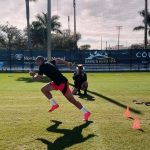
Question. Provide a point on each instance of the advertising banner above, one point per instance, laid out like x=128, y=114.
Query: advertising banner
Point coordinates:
x=26, y=58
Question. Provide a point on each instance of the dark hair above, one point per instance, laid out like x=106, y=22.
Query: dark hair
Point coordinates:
x=40, y=58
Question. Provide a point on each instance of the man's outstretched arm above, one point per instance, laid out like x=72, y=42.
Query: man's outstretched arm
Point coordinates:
x=36, y=76
x=61, y=61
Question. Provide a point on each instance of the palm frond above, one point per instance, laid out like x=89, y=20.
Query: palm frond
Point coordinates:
x=42, y=19
x=142, y=13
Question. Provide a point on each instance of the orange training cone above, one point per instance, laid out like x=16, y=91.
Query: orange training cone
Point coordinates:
x=127, y=113
x=136, y=124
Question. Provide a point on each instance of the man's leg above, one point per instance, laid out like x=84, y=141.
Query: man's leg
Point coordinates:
x=84, y=86
x=46, y=91
x=74, y=91
x=72, y=100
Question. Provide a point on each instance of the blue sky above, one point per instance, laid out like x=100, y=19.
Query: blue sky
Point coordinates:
x=95, y=18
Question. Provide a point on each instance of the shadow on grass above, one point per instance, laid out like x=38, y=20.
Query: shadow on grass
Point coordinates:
x=116, y=102
x=30, y=80
x=141, y=102
x=131, y=118
x=113, y=101
x=141, y=130
x=86, y=97
x=69, y=138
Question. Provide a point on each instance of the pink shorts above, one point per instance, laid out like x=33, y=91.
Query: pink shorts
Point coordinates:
x=63, y=87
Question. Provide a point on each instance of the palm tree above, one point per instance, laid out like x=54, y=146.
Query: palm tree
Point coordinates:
x=38, y=35
x=39, y=29
x=142, y=27
x=55, y=25
x=28, y=21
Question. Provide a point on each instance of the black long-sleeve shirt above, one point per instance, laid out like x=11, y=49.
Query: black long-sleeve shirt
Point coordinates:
x=51, y=71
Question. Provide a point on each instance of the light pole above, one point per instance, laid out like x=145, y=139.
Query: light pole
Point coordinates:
x=69, y=25
x=106, y=45
x=49, y=29
x=101, y=43
x=145, y=21
x=28, y=24
x=119, y=28
x=74, y=6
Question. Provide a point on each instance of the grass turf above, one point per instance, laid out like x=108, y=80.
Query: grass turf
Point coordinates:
x=26, y=124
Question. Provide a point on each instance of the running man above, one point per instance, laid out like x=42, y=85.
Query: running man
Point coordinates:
x=59, y=82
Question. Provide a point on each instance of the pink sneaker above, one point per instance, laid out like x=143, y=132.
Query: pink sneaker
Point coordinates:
x=86, y=116
x=53, y=107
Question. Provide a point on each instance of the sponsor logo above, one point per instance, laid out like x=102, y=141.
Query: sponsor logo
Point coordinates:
x=29, y=58
x=99, y=58
x=143, y=54
x=97, y=55
x=19, y=56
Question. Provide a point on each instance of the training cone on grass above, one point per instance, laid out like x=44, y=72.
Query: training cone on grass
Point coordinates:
x=136, y=124
x=127, y=113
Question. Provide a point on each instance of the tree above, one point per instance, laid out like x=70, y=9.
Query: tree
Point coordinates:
x=38, y=35
x=60, y=39
x=142, y=27
x=2, y=41
x=55, y=24
x=137, y=46
x=85, y=47
x=11, y=37
x=28, y=21
x=64, y=40
x=39, y=29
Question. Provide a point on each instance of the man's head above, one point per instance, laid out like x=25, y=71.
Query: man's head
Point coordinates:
x=79, y=67
x=39, y=60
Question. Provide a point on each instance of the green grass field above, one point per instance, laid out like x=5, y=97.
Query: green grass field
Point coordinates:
x=25, y=123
